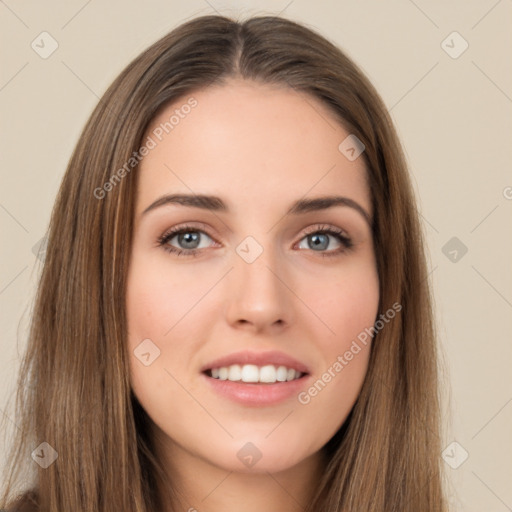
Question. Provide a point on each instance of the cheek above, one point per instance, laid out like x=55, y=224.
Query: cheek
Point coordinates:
x=347, y=303
x=348, y=307
x=159, y=298
x=156, y=315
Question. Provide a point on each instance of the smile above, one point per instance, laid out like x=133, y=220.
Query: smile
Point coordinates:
x=251, y=373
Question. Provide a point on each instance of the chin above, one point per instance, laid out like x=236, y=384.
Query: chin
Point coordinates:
x=259, y=455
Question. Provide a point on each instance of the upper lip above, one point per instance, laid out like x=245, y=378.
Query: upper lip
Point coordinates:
x=273, y=357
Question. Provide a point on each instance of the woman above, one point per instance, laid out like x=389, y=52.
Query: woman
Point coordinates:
x=256, y=369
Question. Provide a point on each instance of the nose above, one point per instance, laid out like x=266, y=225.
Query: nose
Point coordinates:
x=259, y=294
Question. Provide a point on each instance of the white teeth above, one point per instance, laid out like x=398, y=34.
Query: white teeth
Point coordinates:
x=235, y=372
x=252, y=373
x=249, y=373
x=268, y=373
x=282, y=372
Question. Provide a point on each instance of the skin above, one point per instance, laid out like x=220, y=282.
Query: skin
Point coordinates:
x=259, y=148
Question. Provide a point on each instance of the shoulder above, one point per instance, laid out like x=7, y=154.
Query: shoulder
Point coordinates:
x=27, y=502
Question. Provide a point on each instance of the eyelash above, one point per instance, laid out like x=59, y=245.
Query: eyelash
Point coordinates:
x=163, y=240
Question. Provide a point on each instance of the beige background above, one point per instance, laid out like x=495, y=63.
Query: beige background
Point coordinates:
x=452, y=114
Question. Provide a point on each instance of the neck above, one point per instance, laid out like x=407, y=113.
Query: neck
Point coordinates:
x=200, y=486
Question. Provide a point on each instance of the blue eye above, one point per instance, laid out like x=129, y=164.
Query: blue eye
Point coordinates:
x=188, y=239
x=318, y=241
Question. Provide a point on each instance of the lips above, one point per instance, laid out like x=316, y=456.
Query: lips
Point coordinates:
x=273, y=357
x=267, y=391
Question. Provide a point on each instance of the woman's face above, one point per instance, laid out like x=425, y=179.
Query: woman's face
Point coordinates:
x=248, y=280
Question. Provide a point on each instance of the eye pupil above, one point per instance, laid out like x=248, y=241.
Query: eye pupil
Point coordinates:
x=188, y=237
x=323, y=244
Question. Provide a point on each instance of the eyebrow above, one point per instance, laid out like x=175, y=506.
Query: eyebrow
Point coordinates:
x=216, y=204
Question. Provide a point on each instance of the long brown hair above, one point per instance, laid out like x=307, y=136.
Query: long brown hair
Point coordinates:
x=74, y=386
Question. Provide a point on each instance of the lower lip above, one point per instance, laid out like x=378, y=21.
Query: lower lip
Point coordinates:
x=257, y=394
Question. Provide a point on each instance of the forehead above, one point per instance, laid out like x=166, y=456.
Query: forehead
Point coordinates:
x=252, y=144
